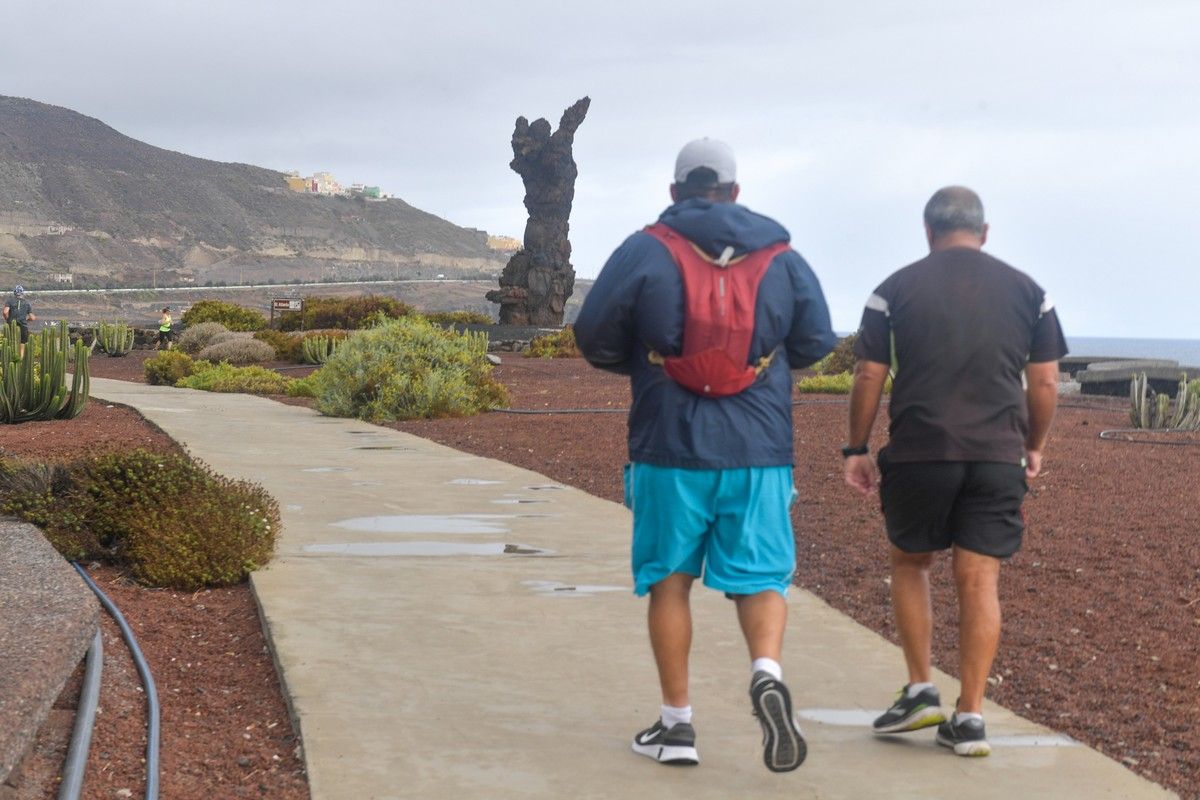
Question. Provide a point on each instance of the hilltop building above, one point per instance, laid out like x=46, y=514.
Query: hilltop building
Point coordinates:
x=324, y=183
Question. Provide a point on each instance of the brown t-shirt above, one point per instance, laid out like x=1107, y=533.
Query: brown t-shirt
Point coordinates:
x=963, y=326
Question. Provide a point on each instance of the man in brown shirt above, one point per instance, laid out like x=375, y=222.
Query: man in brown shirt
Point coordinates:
x=962, y=329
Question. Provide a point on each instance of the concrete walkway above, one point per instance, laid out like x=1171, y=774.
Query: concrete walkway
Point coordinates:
x=449, y=626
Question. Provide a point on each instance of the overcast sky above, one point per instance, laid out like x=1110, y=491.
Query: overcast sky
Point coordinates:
x=1077, y=122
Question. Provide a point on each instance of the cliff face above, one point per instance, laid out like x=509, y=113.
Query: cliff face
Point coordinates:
x=77, y=196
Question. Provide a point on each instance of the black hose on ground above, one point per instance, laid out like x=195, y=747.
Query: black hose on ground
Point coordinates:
x=147, y=681
x=85, y=720
x=1121, y=435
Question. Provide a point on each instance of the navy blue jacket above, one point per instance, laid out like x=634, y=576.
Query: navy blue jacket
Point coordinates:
x=636, y=305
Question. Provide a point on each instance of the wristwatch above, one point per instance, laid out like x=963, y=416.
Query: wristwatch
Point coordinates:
x=861, y=450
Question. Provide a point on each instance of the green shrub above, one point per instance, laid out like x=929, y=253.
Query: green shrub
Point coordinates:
x=833, y=384
x=343, y=313
x=238, y=351
x=231, y=315
x=826, y=384
x=840, y=359
x=167, y=368
x=405, y=369
x=169, y=520
x=555, y=345
x=199, y=336
x=303, y=387
x=287, y=348
x=458, y=318
x=224, y=377
x=37, y=493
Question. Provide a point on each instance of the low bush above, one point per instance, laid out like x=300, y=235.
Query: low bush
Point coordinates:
x=458, y=318
x=303, y=387
x=167, y=367
x=555, y=345
x=169, y=520
x=224, y=377
x=199, y=336
x=231, y=315
x=840, y=359
x=826, y=384
x=343, y=313
x=238, y=351
x=833, y=384
x=405, y=369
x=287, y=348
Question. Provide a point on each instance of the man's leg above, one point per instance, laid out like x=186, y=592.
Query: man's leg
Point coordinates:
x=763, y=617
x=671, y=740
x=914, y=615
x=977, y=578
x=670, y=622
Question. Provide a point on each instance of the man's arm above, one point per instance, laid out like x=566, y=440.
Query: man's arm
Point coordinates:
x=869, y=378
x=6, y=307
x=1041, y=398
x=604, y=329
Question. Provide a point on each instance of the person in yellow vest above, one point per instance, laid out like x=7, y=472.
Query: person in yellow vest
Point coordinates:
x=164, y=329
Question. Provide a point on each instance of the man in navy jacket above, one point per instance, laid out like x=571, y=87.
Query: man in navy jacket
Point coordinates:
x=710, y=477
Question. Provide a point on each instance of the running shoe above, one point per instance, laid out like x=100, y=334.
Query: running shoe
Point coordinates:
x=675, y=745
x=968, y=737
x=783, y=746
x=911, y=713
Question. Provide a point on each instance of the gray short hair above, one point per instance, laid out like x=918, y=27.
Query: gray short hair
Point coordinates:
x=954, y=208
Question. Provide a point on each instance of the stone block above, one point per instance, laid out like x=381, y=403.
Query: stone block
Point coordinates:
x=48, y=617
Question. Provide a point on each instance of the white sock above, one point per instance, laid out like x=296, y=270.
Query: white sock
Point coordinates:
x=769, y=666
x=673, y=715
x=915, y=689
x=963, y=716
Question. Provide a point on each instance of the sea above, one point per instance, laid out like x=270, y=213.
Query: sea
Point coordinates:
x=1184, y=351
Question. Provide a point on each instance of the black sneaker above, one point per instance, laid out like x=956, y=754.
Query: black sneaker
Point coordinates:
x=911, y=713
x=968, y=737
x=783, y=746
x=674, y=745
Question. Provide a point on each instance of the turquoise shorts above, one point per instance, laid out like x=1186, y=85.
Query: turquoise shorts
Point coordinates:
x=730, y=525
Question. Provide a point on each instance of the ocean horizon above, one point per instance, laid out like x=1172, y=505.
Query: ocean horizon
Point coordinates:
x=1185, y=351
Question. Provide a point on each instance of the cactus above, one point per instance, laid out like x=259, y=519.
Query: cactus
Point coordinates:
x=317, y=349
x=35, y=387
x=1150, y=410
x=113, y=338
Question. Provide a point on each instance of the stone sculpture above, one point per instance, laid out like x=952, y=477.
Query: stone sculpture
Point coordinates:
x=538, y=279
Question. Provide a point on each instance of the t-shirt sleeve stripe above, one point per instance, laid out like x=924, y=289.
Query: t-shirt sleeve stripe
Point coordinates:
x=1047, y=306
x=877, y=303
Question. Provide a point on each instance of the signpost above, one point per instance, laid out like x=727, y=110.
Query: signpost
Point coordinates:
x=282, y=304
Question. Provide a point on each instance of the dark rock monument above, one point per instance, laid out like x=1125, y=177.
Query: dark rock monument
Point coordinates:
x=538, y=279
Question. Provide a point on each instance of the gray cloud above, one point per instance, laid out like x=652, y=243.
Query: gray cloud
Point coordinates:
x=1074, y=120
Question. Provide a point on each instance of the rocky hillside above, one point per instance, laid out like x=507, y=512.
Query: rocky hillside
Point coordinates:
x=77, y=196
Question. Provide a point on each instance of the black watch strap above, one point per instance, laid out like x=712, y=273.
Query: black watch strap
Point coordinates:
x=861, y=450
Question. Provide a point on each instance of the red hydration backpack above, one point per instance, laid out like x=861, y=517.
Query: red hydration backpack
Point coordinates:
x=718, y=318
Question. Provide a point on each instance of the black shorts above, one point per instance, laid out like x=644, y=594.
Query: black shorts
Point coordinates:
x=24, y=332
x=164, y=336
x=931, y=505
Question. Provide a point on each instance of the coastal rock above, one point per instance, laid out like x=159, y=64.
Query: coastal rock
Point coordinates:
x=539, y=278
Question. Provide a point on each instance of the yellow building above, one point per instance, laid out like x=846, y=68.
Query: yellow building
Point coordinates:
x=298, y=184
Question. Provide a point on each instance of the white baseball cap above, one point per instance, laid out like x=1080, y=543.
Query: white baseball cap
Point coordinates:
x=709, y=153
